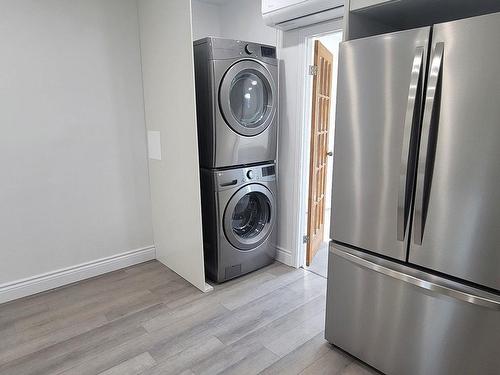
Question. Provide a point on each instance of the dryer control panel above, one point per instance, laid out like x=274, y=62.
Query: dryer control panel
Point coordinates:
x=221, y=49
x=259, y=50
x=231, y=178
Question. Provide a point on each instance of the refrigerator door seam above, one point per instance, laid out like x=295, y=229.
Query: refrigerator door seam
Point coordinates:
x=424, y=170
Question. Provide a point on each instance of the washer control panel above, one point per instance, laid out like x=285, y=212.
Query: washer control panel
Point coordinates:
x=230, y=178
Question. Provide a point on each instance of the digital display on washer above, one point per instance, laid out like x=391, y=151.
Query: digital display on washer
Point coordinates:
x=268, y=52
x=268, y=171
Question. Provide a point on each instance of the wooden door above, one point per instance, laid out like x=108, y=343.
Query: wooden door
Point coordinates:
x=320, y=125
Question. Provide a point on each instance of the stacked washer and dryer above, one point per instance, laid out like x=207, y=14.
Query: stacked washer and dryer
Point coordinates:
x=237, y=107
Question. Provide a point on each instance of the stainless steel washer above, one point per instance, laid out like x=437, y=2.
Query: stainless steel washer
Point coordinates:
x=239, y=215
x=237, y=102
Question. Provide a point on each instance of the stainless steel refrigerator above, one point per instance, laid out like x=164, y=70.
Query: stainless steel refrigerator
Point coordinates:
x=414, y=262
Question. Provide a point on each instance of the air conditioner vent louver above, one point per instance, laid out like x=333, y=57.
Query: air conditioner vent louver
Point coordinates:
x=292, y=14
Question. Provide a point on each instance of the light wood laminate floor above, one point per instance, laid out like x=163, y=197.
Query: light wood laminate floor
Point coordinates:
x=147, y=320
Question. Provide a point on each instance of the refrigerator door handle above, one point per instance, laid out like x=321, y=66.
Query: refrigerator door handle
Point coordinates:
x=428, y=142
x=431, y=286
x=412, y=120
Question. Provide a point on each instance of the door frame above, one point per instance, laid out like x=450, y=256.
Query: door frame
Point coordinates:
x=306, y=36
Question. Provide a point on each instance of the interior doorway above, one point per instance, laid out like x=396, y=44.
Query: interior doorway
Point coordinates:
x=318, y=153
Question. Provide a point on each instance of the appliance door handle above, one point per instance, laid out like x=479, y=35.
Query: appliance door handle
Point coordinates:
x=427, y=143
x=433, y=287
x=229, y=183
x=406, y=171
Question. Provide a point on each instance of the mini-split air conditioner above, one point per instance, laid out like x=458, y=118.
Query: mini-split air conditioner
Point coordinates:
x=292, y=14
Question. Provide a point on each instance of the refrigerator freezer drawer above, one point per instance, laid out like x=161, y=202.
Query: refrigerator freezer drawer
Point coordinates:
x=403, y=321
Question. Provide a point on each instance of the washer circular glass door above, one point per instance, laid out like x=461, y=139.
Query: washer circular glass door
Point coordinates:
x=249, y=217
x=247, y=97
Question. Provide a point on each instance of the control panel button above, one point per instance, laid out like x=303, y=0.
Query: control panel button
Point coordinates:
x=249, y=49
x=250, y=174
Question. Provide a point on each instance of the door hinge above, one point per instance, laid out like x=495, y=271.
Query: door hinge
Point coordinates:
x=305, y=239
x=313, y=70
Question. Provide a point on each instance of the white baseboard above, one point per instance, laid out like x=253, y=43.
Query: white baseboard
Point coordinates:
x=208, y=288
x=54, y=279
x=284, y=256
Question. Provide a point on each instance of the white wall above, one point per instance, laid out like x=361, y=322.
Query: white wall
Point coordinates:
x=291, y=60
x=206, y=19
x=232, y=19
x=74, y=178
x=242, y=19
x=168, y=74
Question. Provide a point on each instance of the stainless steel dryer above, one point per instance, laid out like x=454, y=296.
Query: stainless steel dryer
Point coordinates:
x=237, y=102
x=239, y=215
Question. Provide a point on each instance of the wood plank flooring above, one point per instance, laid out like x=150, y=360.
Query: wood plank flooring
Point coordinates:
x=147, y=320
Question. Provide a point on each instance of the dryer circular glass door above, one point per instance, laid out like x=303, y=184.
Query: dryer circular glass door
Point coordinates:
x=247, y=97
x=249, y=217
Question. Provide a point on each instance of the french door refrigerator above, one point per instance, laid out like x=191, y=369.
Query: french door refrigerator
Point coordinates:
x=414, y=263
